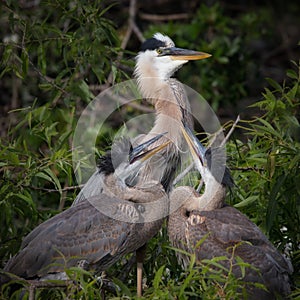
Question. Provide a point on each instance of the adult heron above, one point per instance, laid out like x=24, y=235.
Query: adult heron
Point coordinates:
x=225, y=231
x=97, y=232
x=155, y=64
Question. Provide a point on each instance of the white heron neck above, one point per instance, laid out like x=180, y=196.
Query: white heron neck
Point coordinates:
x=164, y=123
x=159, y=92
x=213, y=196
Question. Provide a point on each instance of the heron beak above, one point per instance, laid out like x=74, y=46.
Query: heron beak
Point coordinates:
x=184, y=54
x=196, y=148
x=153, y=151
x=136, y=154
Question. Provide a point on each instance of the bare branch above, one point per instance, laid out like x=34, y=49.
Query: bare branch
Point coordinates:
x=68, y=188
x=230, y=131
x=200, y=185
x=183, y=174
x=159, y=18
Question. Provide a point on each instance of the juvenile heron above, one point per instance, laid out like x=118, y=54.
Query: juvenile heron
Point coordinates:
x=226, y=228
x=155, y=64
x=96, y=232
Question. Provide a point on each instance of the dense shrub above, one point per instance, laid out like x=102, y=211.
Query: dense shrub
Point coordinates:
x=51, y=61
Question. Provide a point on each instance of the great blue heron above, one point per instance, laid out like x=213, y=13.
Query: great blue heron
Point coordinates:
x=226, y=229
x=155, y=64
x=97, y=232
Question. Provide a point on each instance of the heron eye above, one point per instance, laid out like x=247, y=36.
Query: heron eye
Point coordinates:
x=159, y=51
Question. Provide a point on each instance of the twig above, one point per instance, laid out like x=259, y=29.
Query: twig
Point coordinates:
x=200, y=185
x=123, y=100
x=132, y=23
x=171, y=17
x=68, y=188
x=45, y=284
x=63, y=196
x=224, y=141
x=214, y=137
x=183, y=174
x=230, y=131
x=35, y=284
x=138, y=33
x=131, y=27
x=247, y=169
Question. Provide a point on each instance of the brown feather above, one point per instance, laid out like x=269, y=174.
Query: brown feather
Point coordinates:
x=82, y=232
x=226, y=228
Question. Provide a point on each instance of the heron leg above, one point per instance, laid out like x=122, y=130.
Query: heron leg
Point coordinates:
x=31, y=292
x=140, y=255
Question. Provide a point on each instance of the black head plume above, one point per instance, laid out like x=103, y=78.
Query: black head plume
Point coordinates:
x=152, y=44
x=119, y=153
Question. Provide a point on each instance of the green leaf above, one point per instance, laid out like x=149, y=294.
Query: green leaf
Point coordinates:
x=269, y=95
x=114, y=73
x=83, y=91
x=292, y=74
x=158, y=277
x=274, y=84
x=215, y=263
x=13, y=158
x=272, y=205
x=48, y=175
x=43, y=176
x=45, y=86
x=292, y=93
x=200, y=242
x=249, y=200
x=124, y=289
x=26, y=197
x=42, y=58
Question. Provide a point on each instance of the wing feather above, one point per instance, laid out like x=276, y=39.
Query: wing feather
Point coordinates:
x=80, y=232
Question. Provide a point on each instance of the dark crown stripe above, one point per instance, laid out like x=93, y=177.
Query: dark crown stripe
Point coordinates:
x=152, y=44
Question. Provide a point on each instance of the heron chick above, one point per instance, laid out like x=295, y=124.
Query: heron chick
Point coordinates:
x=225, y=231
x=96, y=232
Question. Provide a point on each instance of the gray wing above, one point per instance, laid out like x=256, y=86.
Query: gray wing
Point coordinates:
x=93, y=187
x=228, y=227
x=80, y=233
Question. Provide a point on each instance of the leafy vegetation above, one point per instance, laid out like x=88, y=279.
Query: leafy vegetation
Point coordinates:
x=213, y=32
x=266, y=167
x=54, y=60
x=54, y=55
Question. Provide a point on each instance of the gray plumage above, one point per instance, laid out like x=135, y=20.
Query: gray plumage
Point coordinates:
x=225, y=227
x=155, y=64
x=82, y=233
x=94, y=233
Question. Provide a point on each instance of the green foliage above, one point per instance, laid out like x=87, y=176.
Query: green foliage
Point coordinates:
x=62, y=49
x=266, y=167
x=54, y=53
x=35, y=166
x=221, y=78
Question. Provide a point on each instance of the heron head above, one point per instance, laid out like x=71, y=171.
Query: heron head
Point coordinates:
x=160, y=58
x=136, y=158
x=211, y=171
